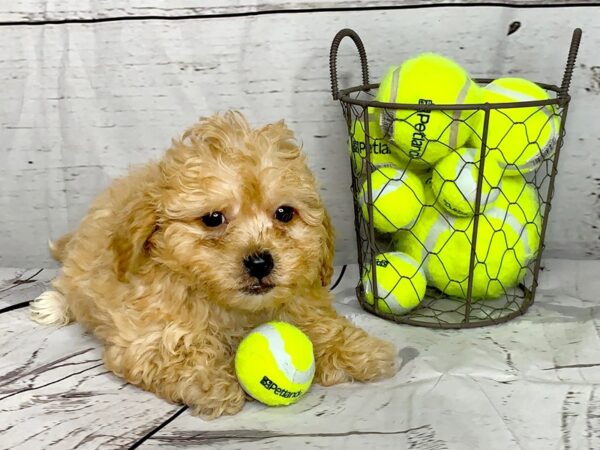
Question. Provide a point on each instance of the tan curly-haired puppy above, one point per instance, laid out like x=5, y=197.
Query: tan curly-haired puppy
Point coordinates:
x=175, y=263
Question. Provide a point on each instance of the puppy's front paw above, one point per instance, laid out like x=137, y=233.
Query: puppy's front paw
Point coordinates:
x=329, y=371
x=210, y=401
x=377, y=360
x=359, y=358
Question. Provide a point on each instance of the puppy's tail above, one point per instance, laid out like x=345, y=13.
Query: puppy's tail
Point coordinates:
x=58, y=248
x=51, y=308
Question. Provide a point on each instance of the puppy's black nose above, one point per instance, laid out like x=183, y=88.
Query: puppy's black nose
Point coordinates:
x=259, y=265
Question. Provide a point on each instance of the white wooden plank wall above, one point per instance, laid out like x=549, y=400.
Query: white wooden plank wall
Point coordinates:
x=80, y=102
x=36, y=10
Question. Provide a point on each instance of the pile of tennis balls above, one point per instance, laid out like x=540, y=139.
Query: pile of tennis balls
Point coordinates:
x=423, y=182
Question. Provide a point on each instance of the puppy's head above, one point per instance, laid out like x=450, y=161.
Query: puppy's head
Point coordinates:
x=235, y=212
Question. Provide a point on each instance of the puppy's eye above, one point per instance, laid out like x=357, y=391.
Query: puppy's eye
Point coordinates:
x=214, y=219
x=284, y=213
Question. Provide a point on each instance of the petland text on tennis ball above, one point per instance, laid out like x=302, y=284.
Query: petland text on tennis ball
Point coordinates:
x=275, y=363
x=381, y=153
x=427, y=136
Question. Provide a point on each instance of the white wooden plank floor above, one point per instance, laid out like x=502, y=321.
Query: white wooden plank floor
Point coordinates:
x=21, y=285
x=533, y=383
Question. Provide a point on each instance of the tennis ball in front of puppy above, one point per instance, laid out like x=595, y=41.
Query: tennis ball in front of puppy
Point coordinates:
x=401, y=283
x=397, y=197
x=426, y=136
x=275, y=363
x=454, y=181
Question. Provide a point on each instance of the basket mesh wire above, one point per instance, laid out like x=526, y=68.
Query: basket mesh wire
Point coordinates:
x=431, y=254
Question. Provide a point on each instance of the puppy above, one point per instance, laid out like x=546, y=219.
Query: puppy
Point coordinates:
x=176, y=262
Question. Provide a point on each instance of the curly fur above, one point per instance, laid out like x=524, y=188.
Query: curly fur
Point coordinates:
x=166, y=294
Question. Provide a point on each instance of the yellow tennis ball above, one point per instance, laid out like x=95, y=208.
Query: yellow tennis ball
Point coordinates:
x=443, y=242
x=520, y=138
x=413, y=241
x=275, y=363
x=427, y=136
x=496, y=268
x=401, y=283
x=518, y=204
x=397, y=197
x=383, y=153
x=454, y=181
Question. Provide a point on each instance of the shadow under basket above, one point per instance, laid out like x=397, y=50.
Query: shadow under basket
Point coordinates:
x=451, y=241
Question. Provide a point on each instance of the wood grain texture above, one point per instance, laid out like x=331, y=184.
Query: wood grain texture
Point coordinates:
x=55, y=392
x=23, y=285
x=82, y=102
x=531, y=383
x=44, y=10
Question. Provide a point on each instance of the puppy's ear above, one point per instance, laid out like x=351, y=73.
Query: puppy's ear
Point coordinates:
x=131, y=241
x=327, y=250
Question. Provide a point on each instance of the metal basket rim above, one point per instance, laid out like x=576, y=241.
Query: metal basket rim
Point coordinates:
x=345, y=98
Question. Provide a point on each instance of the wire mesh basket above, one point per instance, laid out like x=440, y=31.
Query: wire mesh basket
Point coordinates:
x=451, y=201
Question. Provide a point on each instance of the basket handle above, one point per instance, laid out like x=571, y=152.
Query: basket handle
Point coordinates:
x=566, y=81
x=346, y=32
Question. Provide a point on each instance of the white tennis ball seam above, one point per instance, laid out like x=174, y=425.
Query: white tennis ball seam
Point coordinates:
x=409, y=260
x=395, y=81
x=463, y=177
x=386, y=121
x=518, y=228
x=462, y=95
x=506, y=92
x=282, y=358
x=441, y=224
x=549, y=145
x=466, y=182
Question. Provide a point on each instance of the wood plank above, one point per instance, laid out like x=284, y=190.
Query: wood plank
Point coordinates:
x=449, y=412
x=23, y=285
x=455, y=389
x=43, y=10
x=55, y=392
x=89, y=103
x=8, y=275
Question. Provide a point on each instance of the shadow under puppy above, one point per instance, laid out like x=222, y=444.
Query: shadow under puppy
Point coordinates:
x=176, y=262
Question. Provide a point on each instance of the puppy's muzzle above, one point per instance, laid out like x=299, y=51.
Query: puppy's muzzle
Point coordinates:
x=259, y=265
